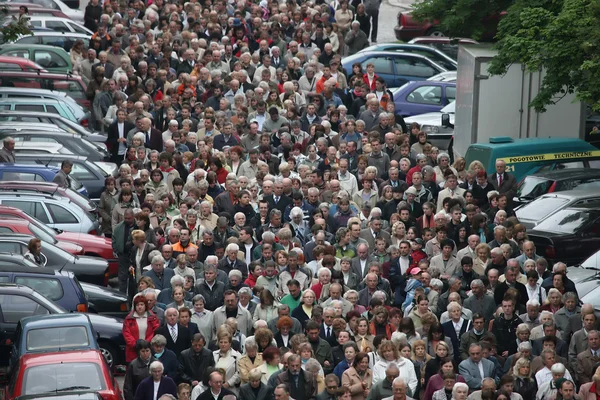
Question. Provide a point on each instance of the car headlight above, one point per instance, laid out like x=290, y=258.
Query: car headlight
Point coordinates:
x=430, y=129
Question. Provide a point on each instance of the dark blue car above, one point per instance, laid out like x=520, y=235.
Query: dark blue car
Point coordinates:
x=422, y=97
x=32, y=173
x=395, y=68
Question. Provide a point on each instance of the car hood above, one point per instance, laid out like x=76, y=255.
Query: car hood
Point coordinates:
x=580, y=275
x=91, y=261
x=432, y=118
x=101, y=291
x=85, y=239
x=70, y=247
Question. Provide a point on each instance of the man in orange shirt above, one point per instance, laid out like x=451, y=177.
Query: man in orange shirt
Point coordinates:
x=184, y=242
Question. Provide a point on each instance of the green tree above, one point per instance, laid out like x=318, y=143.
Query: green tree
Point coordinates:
x=558, y=36
x=11, y=28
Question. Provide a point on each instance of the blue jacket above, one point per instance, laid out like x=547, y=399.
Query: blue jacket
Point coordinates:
x=340, y=368
x=170, y=363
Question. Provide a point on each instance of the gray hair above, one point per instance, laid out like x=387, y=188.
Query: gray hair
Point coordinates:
x=177, y=280
x=251, y=343
x=312, y=365
x=158, y=259
x=197, y=298
x=156, y=365
x=235, y=272
x=558, y=368
x=245, y=290
x=459, y=385
x=159, y=340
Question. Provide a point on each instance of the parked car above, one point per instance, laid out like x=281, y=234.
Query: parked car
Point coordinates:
x=74, y=14
x=438, y=134
x=59, y=39
x=430, y=52
x=72, y=141
x=60, y=371
x=35, y=173
x=91, y=174
x=73, y=85
x=445, y=44
x=59, y=107
x=94, y=246
x=52, y=189
x=105, y=301
x=569, y=234
x=588, y=270
x=537, y=211
x=53, y=59
x=14, y=225
x=56, y=149
x=13, y=9
x=420, y=97
x=86, y=269
x=19, y=64
x=449, y=76
x=59, y=24
x=26, y=302
x=53, y=211
x=52, y=333
x=76, y=109
x=396, y=68
x=67, y=395
x=12, y=120
x=533, y=186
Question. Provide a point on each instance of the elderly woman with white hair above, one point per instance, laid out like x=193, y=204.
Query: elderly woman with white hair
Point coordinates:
x=554, y=301
x=455, y=328
x=546, y=377
x=443, y=165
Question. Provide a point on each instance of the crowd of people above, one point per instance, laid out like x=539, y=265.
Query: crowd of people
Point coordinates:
x=282, y=233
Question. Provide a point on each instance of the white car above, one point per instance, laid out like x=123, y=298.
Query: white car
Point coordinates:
x=58, y=24
x=75, y=15
x=448, y=76
x=431, y=123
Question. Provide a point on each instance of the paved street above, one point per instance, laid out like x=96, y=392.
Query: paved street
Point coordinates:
x=388, y=18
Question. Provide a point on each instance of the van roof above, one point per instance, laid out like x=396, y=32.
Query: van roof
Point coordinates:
x=535, y=145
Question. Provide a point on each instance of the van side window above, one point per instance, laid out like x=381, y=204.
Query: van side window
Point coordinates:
x=49, y=288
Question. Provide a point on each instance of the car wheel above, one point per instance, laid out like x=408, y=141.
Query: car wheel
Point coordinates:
x=435, y=31
x=110, y=353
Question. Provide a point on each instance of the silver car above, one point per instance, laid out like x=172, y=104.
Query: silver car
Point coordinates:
x=56, y=212
x=544, y=206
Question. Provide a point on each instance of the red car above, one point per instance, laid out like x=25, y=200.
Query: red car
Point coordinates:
x=70, y=84
x=67, y=371
x=14, y=225
x=409, y=28
x=20, y=64
x=93, y=245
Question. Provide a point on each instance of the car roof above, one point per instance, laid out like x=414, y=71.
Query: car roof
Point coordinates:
x=23, y=112
x=568, y=173
x=47, y=92
x=42, y=133
x=54, y=320
x=32, y=47
x=32, y=196
x=7, y=125
x=30, y=100
x=28, y=270
x=35, y=359
x=390, y=53
x=27, y=167
x=26, y=184
x=537, y=145
x=441, y=39
x=573, y=194
x=47, y=75
x=13, y=221
x=16, y=235
x=52, y=157
x=51, y=32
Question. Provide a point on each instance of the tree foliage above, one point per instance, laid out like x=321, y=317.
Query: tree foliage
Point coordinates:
x=559, y=36
x=10, y=28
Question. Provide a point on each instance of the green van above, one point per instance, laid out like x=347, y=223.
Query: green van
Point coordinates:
x=527, y=156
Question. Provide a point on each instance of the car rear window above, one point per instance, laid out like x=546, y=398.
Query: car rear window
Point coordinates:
x=58, y=338
x=58, y=376
x=565, y=221
x=533, y=187
x=540, y=208
x=50, y=288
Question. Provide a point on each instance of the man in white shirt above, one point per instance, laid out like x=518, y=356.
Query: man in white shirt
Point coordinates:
x=347, y=180
x=551, y=370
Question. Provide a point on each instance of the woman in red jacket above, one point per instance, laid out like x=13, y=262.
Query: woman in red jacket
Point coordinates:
x=139, y=324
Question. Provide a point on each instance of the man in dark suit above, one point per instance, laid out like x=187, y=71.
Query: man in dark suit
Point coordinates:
x=278, y=200
x=503, y=182
x=194, y=361
x=225, y=202
x=177, y=335
x=230, y=261
x=561, y=348
x=302, y=385
x=374, y=230
x=326, y=328
x=360, y=263
x=109, y=69
x=117, y=137
x=510, y=275
x=215, y=388
x=153, y=136
x=166, y=385
x=159, y=275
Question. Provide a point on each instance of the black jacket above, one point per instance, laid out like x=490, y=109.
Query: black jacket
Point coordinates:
x=137, y=371
x=527, y=388
x=183, y=338
x=214, y=297
x=192, y=365
x=507, y=331
x=113, y=136
x=207, y=395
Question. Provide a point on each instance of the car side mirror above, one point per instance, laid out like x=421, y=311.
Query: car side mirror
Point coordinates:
x=446, y=121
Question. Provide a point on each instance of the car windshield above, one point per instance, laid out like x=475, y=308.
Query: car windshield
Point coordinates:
x=592, y=261
x=540, y=208
x=565, y=221
x=42, y=234
x=60, y=376
x=58, y=338
x=533, y=187
x=450, y=108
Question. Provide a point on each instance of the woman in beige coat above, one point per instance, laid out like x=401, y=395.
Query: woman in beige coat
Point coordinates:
x=358, y=378
x=252, y=359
